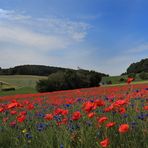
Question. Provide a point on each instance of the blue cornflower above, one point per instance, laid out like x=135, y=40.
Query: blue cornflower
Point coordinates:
x=61, y=146
x=28, y=135
x=125, y=115
x=41, y=126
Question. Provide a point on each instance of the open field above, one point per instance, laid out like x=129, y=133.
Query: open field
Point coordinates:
x=113, y=117
x=21, y=80
x=22, y=83
x=116, y=79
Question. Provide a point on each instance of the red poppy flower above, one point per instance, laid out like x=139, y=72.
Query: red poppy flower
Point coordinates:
x=48, y=117
x=21, y=118
x=105, y=142
x=99, y=102
x=102, y=119
x=64, y=112
x=1, y=109
x=12, y=105
x=91, y=115
x=5, y=119
x=13, y=112
x=145, y=107
x=58, y=111
x=13, y=123
x=88, y=106
x=30, y=107
x=23, y=113
x=110, y=124
x=122, y=110
x=129, y=80
x=123, y=128
x=76, y=115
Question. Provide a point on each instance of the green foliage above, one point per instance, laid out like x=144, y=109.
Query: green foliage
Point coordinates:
x=138, y=67
x=38, y=70
x=132, y=75
x=143, y=75
x=122, y=80
x=69, y=79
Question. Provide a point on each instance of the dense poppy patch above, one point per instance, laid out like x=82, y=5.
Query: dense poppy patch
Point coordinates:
x=88, y=118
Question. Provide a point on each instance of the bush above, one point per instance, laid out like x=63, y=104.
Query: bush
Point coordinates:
x=143, y=75
x=109, y=82
x=132, y=75
x=122, y=80
x=69, y=79
x=8, y=89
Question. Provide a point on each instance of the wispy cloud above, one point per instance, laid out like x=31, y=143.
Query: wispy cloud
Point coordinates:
x=12, y=15
x=25, y=39
x=139, y=48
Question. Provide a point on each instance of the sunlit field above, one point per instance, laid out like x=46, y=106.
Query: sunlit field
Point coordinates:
x=113, y=117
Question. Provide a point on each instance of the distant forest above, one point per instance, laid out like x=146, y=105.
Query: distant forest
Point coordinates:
x=138, y=67
x=39, y=70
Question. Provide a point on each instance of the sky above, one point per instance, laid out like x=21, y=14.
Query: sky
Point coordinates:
x=101, y=35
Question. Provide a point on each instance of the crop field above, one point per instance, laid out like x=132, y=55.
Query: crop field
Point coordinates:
x=113, y=117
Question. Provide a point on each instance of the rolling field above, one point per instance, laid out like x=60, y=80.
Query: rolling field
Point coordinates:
x=116, y=79
x=22, y=83
x=113, y=117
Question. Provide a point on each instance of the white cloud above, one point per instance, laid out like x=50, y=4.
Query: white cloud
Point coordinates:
x=28, y=40
x=12, y=15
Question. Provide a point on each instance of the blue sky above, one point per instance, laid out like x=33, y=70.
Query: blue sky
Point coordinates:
x=102, y=35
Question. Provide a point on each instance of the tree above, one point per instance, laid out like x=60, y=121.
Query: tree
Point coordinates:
x=69, y=79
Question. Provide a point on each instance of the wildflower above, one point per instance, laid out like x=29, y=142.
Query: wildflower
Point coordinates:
x=65, y=112
x=21, y=118
x=91, y=115
x=28, y=136
x=110, y=124
x=122, y=110
x=1, y=109
x=30, y=107
x=105, y=142
x=129, y=80
x=13, y=112
x=24, y=131
x=12, y=105
x=123, y=128
x=88, y=106
x=76, y=115
x=145, y=107
x=12, y=124
x=61, y=146
x=102, y=119
x=99, y=102
x=48, y=116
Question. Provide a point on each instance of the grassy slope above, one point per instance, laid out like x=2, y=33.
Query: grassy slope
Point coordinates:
x=115, y=79
x=22, y=83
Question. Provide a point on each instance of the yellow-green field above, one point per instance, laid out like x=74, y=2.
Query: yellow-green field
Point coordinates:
x=22, y=83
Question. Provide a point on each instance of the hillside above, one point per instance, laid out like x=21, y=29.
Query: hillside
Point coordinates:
x=37, y=70
x=138, y=67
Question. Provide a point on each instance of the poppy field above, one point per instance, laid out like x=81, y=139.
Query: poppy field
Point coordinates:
x=113, y=117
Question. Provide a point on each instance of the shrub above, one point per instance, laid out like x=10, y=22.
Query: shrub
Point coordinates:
x=69, y=79
x=132, y=75
x=122, y=80
x=143, y=75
